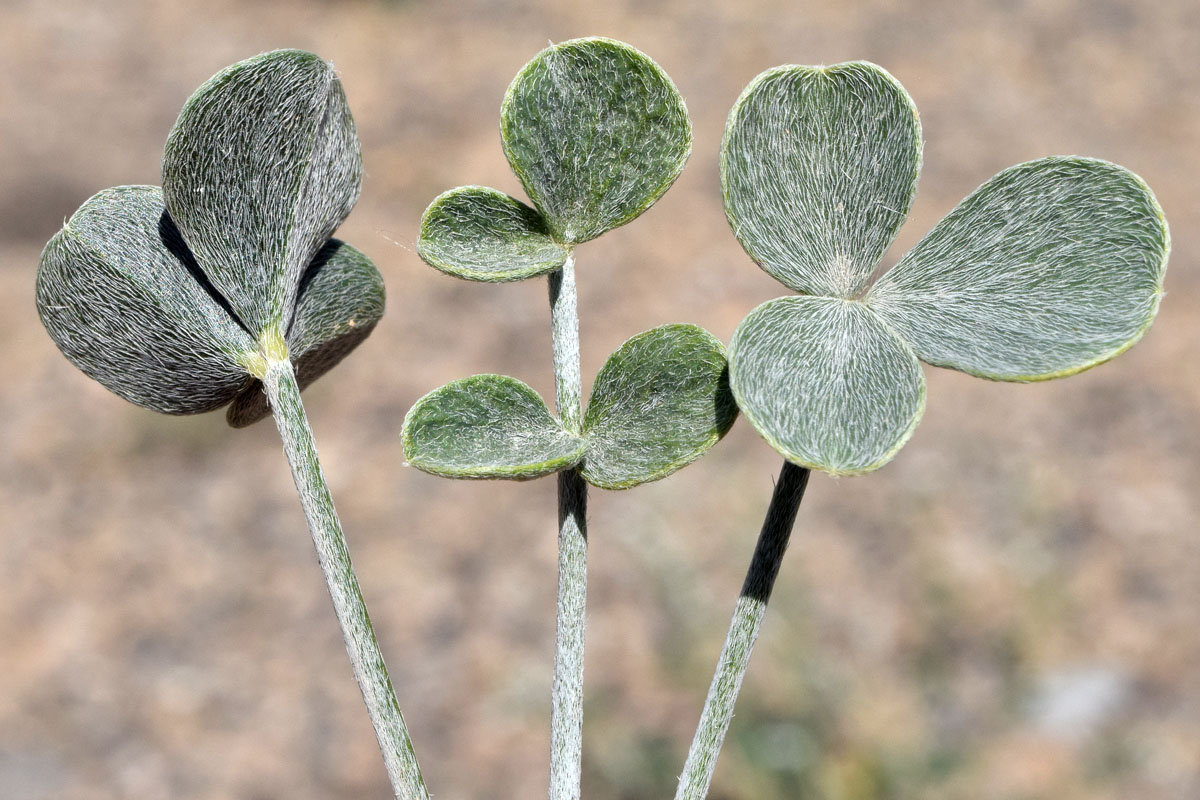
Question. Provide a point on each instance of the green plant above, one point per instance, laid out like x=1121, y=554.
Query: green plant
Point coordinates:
x=225, y=288
x=596, y=132
x=1049, y=268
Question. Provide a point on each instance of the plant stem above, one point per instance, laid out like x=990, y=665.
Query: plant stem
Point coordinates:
x=564, y=327
x=566, y=714
x=743, y=630
x=369, y=668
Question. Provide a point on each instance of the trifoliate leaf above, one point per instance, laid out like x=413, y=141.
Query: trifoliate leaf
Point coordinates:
x=341, y=298
x=124, y=301
x=487, y=426
x=596, y=132
x=826, y=383
x=818, y=168
x=260, y=169
x=659, y=403
x=1049, y=268
x=480, y=234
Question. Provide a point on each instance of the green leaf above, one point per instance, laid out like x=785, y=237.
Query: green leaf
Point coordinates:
x=826, y=383
x=341, y=299
x=1049, y=268
x=487, y=426
x=659, y=403
x=341, y=296
x=480, y=234
x=122, y=298
x=818, y=168
x=596, y=132
x=260, y=169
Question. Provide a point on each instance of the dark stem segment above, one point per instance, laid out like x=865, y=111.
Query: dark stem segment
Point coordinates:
x=743, y=631
x=566, y=713
x=369, y=668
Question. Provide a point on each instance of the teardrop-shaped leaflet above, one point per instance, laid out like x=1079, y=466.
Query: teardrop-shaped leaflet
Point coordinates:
x=596, y=132
x=1049, y=268
x=487, y=426
x=121, y=296
x=261, y=167
x=819, y=168
x=826, y=383
x=659, y=403
x=480, y=234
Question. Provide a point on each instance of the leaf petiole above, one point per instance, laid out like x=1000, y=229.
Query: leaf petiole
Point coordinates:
x=566, y=713
x=369, y=668
x=743, y=631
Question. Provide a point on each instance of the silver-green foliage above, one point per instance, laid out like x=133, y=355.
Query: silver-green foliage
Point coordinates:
x=225, y=285
x=596, y=132
x=119, y=300
x=167, y=296
x=261, y=167
x=659, y=403
x=340, y=300
x=819, y=168
x=854, y=391
x=480, y=234
x=487, y=426
x=1049, y=268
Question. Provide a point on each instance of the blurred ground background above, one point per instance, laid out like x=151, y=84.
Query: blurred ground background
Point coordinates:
x=1007, y=611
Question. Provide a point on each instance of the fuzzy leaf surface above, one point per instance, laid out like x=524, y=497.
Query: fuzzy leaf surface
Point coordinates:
x=341, y=299
x=596, y=132
x=261, y=167
x=819, y=168
x=826, y=383
x=661, y=400
x=487, y=426
x=1049, y=268
x=480, y=234
x=124, y=301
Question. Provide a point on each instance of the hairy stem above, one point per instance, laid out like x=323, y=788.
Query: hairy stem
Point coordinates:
x=566, y=714
x=564, y=326
x=369, y=668
x=743, y=630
